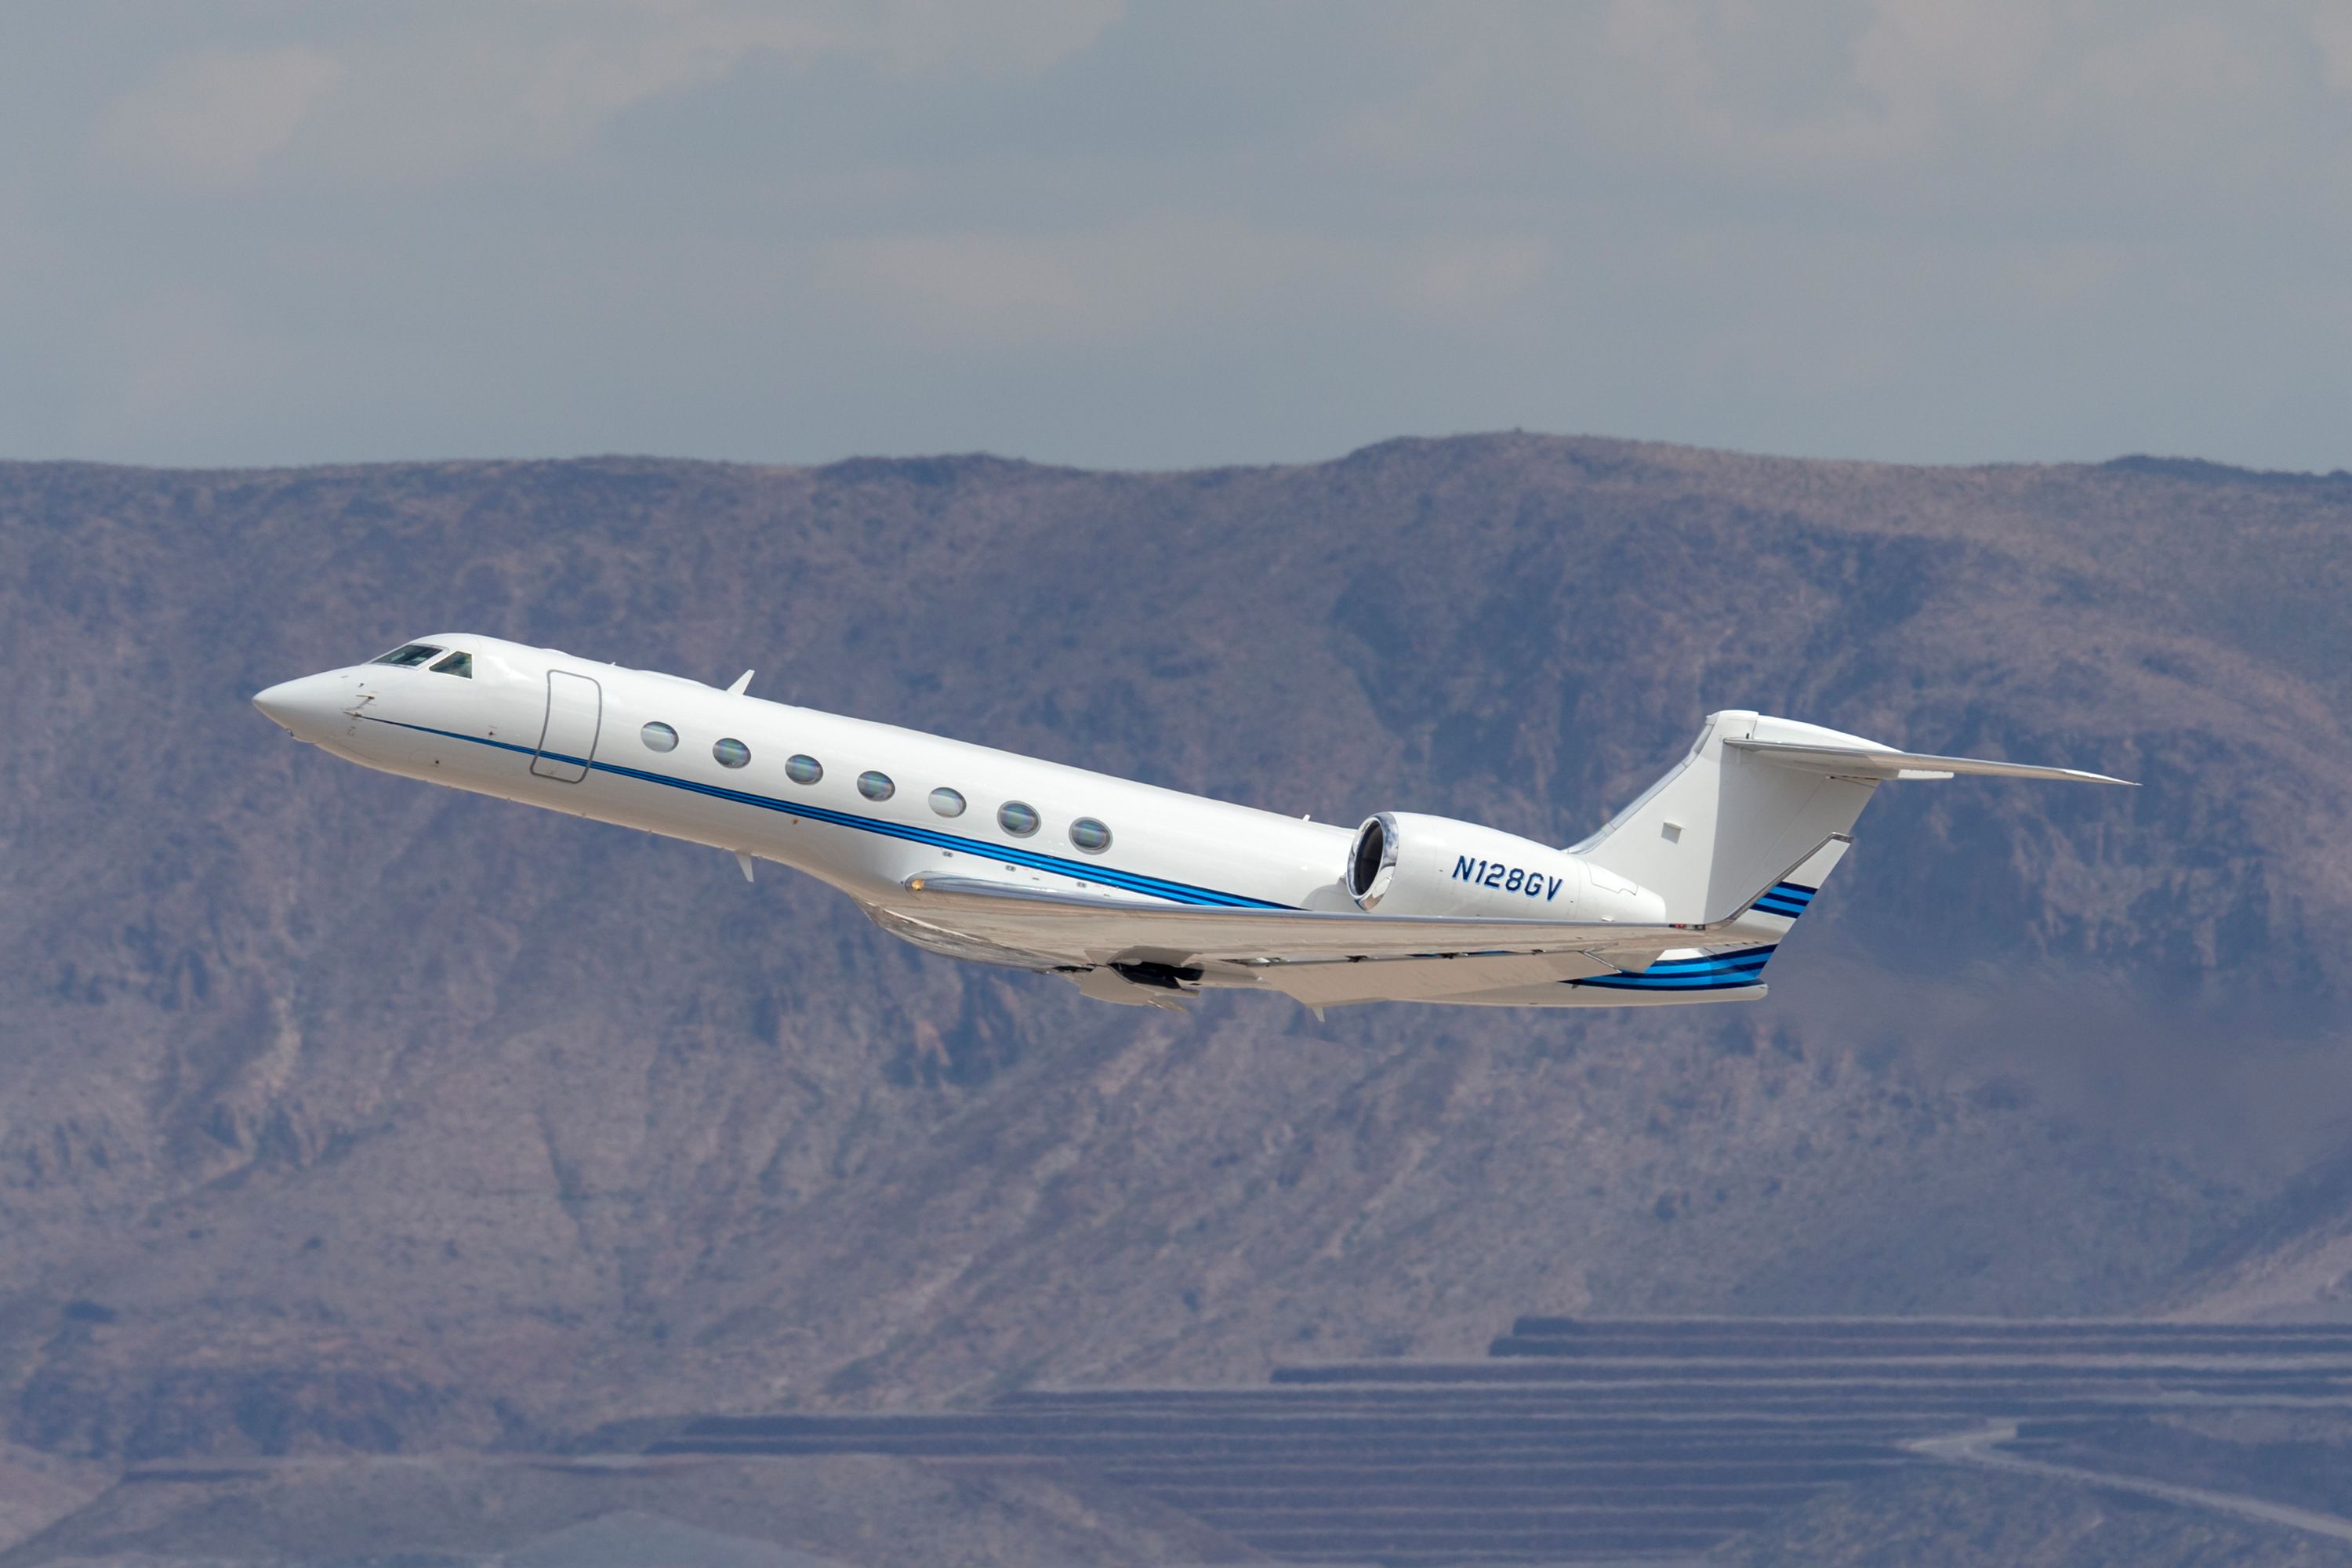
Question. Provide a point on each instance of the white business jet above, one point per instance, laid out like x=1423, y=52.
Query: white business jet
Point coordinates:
x=1139, y=894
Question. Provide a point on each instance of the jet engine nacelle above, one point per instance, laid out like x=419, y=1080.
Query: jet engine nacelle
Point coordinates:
x=1402, y=863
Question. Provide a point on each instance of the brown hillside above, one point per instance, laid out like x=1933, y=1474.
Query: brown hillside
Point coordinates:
x=340, y=1112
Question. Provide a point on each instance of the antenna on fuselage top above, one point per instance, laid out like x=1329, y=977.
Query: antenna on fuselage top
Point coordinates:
x=741, y=681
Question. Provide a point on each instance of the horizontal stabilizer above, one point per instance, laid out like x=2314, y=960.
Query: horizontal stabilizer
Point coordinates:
x=1879, y=762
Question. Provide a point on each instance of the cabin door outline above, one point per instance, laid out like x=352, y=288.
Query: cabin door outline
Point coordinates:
x=567, y=741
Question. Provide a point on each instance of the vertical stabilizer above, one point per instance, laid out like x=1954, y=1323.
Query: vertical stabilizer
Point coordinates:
x=1723, y=821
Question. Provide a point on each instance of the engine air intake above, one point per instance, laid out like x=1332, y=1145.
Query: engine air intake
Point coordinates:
x=1371, y=863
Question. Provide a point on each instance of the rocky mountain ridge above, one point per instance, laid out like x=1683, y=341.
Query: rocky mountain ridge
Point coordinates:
x=342, y=1112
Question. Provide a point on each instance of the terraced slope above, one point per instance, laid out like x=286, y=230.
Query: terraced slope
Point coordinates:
x=1597, y=1440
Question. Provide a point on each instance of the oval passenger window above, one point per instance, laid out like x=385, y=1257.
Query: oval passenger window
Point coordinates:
x=730, y=753
x=1017, y=819
x=1090, y=836
x=876, y=785
x=947, y=802
x=804, y=769
x=659, y=737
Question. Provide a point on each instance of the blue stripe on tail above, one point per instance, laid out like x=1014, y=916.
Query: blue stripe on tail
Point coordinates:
x=1714, y=971
x=1787, y=900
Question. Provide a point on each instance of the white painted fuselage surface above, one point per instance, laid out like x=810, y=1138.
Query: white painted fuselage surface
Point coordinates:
x=1136, y=893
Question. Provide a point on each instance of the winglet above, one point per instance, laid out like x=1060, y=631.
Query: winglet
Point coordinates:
x=741, y=681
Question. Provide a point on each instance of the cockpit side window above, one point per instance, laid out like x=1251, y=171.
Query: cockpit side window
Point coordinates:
x=459, y=664
x=410, y=654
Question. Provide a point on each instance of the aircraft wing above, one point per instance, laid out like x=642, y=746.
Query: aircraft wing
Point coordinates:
x=1100, y=927
x=1104, y=928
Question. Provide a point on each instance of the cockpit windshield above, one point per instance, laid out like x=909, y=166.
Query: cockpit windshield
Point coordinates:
x=460, y=663
x=410, y=654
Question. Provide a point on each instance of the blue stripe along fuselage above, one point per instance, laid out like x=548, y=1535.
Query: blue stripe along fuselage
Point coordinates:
x=1079, y=870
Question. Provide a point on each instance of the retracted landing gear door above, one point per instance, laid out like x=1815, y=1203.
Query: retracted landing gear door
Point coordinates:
x=575, y=707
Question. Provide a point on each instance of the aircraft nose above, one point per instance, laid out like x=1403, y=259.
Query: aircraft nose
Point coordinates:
x=303, y=707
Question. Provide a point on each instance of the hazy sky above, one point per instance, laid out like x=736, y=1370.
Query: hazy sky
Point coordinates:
x=1165, y=234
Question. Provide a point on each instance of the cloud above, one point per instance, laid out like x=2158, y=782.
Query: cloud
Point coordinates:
x=1466, y=278
x=173, y=358
x=540, y=79
x=1106, y=286
x=213, y=117
x=521, y=81
x=1160, y=276
x=1213, y=230
x=1861, y=99
x=1990, y=53
x=2182, y=61
x=2331, y=30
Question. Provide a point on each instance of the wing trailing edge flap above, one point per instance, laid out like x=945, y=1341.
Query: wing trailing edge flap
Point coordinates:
x=1098, y=929
x=1332, y=981
x=1882, y=762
